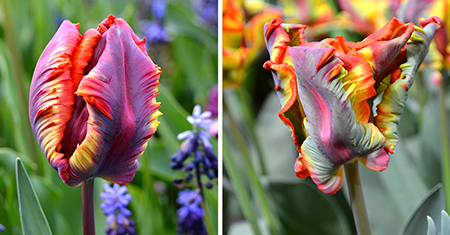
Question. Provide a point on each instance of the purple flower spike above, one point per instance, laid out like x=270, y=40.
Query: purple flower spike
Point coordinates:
x=190, y=215
x=159, y=9
x=200, y=119
x=196, y=144
x=114, y=207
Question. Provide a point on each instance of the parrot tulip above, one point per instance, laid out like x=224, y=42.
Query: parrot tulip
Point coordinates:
x=92, y=103
x=327, y=91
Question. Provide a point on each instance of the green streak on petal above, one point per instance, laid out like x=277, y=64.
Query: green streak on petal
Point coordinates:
x=336, y=137
x=395, y=95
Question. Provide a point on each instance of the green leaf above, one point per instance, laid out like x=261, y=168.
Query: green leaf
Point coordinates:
x=431, y=226
x=31, y=214
x=213, y=206
x=445, y=223
x=398, y=189
x=157, y=159
x=429, y=160
x=431, y=205
x=303, y=209
x=144, y=204
x=244, y=227
x=173, y=120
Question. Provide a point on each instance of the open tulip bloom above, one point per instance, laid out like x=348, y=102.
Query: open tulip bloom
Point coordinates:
x=327, y=90
x=92, y=103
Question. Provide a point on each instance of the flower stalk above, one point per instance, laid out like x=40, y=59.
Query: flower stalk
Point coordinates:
x=357, y=198
x=87, y=194
x=207, y=218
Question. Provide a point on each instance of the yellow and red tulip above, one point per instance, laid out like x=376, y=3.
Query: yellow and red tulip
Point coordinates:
x=92, y=103
x=242, y=41
x=327, y=89
x=441, y=53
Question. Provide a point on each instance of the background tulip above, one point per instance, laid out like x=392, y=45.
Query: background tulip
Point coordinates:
x=92, y=102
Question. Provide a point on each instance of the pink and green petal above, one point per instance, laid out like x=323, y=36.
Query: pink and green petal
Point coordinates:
x=278, y=39
x=325, y=174
x=395, y=95
x=291, y=112
x=283, y=73
x=336, y=137
x=359, y=82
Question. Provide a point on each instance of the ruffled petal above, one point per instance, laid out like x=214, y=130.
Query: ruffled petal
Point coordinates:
x=335, y=135
x=395, y=95
x=278, y=41
x=279, y=37
x=120, y=94
x=252, y=34
x=326, y=174
x=51, y=95
x=378, y=49
x=300, y=170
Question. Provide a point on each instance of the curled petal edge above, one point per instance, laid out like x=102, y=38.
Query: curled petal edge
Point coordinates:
x=396, y=94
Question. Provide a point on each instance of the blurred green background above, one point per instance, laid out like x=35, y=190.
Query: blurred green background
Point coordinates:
x=262, y=195
x=188, y=58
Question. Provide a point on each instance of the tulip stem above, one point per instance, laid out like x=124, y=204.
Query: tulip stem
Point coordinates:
x=87, y=194
x=357, y=198
x=445, y=151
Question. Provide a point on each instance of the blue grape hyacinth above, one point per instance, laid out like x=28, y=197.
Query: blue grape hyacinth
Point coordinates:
x=190, y=214
x=207, y=11
x=196, y=144
x=114, y=207
x=154, y=30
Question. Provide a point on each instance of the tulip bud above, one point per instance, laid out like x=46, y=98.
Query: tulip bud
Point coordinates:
x=92, y=103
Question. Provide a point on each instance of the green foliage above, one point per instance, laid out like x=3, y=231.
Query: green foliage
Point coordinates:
x=31, y=215
x=189, y=64
x=431, y=205
x=296, y=205
x=445, y=224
